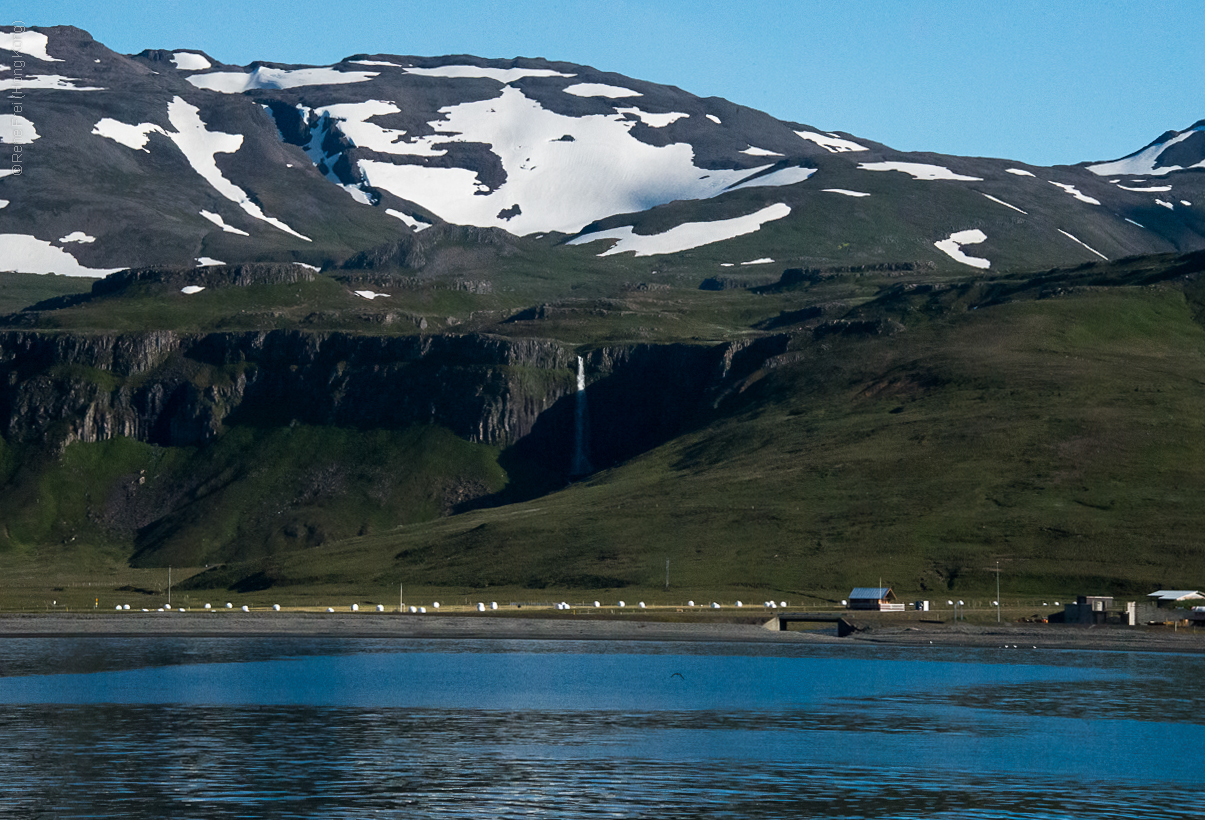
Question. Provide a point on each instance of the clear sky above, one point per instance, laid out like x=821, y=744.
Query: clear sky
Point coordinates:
x=1045, y=82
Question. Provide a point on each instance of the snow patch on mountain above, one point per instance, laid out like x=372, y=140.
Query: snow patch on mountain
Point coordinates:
x=190, y=61
x=236, y=82
x=131, y=136
x=30, y=43
x=1080, y=242
x=1154, y=189
x=16, y=130
x=1020, y=172
x=21, y=253
x=765, y=260
x=1132, y=222
x=600, y=90
x=685, y=236
x=52, y=82
x=385, y=63
x=1142, y=163
x=775, y=179
x=843, y=192
x=221, y=223
x=472, y=72
x=410, y=221
x=189, y=290
x=559, y=185
x=199, y=145
x=208, y=261
x=831, y=143
x=77, y=236
x=1167, y=205
x=352, y=119
x=368, y=294
x=952, y=247
x=1075, y=192
x=714, y=119
x=753, y=151
x=314, y=150
x=4, y=203
x=918, y=170
x=653, y=120
x=1005, y=204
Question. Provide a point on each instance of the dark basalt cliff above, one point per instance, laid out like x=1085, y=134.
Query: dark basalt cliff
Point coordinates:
x=205, y=396
x=176, y=389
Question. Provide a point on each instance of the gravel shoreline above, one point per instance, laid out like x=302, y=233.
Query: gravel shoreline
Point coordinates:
x=501, y=627
x=377, y=625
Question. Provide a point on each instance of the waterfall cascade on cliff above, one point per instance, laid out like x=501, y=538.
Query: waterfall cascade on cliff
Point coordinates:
x=581, y=462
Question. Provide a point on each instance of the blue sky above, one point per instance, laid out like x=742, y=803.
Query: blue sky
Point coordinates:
x=1042, y=82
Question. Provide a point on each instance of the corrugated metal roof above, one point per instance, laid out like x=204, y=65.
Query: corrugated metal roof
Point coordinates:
x=1175, y=594
x=877, y=593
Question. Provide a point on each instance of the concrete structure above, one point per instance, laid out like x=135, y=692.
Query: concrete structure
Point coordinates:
x=1088, y=609
x=1099, y=609
x=780, y=621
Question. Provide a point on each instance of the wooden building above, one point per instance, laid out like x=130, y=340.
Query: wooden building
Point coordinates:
x=879, y=598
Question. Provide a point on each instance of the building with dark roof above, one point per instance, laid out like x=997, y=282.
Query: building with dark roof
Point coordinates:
x=880, y=598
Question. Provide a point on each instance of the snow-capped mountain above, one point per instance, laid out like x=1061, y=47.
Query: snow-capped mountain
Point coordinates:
x=169, y=157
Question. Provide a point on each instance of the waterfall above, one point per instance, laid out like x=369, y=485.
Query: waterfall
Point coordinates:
x=581, y=462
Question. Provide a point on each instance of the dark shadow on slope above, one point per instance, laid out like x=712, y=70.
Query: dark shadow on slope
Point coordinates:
x=648, y=395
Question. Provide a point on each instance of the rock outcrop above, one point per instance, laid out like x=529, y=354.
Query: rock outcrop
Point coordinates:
x=176, y=389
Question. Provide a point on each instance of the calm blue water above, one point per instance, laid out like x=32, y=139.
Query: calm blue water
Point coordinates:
x=291, y=728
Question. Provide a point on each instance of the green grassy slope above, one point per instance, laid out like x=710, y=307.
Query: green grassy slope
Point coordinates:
x=254, y=493
x=20, y=290
x=1060, y=436
x=922, y=426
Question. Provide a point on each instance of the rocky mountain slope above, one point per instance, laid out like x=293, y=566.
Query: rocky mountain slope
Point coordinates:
x=168, y=157
x=368, y=321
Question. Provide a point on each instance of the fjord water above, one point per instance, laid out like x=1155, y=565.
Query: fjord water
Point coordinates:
x=353, y=728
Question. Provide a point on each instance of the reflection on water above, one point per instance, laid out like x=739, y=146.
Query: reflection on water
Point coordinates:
x=343, y=729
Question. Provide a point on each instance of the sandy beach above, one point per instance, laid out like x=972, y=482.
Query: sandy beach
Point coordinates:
x=504, y=627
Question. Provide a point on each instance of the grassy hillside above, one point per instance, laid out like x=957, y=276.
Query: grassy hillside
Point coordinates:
x=919, y=428
x=1059, y=436
x=20, y=290
x=252, y=494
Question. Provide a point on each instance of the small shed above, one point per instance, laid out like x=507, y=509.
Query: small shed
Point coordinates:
x=871, y=598
x=1169, y=597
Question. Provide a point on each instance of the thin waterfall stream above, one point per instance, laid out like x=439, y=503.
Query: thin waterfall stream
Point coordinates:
x=581, y=461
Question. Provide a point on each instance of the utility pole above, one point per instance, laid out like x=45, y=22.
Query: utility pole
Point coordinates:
x=169, y=586
x=400, y=598
x=667, y=575
x=997, y=591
